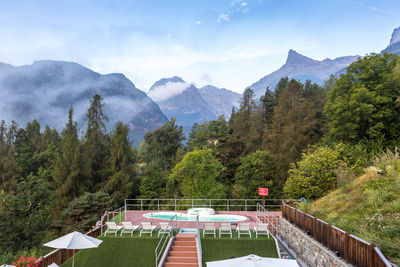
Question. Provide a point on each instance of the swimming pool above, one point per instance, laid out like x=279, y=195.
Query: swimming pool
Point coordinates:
x=192, y=218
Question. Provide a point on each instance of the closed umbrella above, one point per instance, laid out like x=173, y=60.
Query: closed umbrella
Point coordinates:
x=253, y=261
x=74, y=240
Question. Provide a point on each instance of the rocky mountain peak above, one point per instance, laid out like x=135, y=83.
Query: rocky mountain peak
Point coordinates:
x=295, y=58
x=395, y=36
x=164, y=81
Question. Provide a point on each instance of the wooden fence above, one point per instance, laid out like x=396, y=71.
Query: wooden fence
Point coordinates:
x=59, y=256
x=349, y=247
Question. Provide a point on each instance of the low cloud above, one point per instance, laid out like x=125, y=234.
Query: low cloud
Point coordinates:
x=168, y=90
x=223, y=17
x=198, y=22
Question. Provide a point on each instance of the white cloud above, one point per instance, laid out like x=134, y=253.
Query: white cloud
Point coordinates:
x=169, y=35
x=198, y=22
x=243, y=4
x=168, y=90
x=223, y=17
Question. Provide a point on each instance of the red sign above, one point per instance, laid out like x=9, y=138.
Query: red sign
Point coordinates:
x=263, y=191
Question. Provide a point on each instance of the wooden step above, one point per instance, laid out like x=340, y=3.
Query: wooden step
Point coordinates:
x=182, y=253
x=183, y=248
x=182, y=259
x=185, y=237
x=180, y=264
x=184, y=243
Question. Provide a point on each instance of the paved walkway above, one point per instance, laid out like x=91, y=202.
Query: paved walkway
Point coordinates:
x=136, y=217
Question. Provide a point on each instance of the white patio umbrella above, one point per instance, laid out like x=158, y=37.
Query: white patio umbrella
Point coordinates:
x=53, y=265
x=5, y=265
x=74, y=240
x=253, y=261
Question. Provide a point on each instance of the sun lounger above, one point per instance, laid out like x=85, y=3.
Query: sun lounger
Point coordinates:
x=147, y=228
x=112, y=228
x=209, y=229
x=261, y=229
x=244, y=229
x=225, y=229
x=128, y=228
x=163, y=228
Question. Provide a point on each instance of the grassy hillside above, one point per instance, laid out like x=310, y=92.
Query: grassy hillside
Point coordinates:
x=368, y=207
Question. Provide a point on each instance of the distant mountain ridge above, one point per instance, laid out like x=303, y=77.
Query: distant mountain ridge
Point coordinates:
x=188, y=104
x=300, y=67
x=45, y=90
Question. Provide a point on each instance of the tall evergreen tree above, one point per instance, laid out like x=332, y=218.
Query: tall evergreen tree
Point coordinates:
x=68, y=170
x=161, y=145
x=123, y=182
x=296, y=123
x=96, y=149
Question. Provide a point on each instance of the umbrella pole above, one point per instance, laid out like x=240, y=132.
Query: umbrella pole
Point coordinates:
x=73, y=258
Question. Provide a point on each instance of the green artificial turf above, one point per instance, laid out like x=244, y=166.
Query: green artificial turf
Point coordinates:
x=125, y=251
x=225, y=247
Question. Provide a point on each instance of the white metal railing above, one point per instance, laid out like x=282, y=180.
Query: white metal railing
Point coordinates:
x=271, y=219
x=111, y=216
x=198, y=244
x=173, y=225
x=217, y=204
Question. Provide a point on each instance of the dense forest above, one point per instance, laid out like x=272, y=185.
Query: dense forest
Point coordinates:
x=298, y=139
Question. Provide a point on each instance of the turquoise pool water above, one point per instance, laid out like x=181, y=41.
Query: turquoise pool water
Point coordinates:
x=192, y=218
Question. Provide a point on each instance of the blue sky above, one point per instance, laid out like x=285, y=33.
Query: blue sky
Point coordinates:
x=227, y=43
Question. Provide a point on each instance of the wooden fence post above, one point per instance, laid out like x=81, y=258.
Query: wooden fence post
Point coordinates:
x=372, y=255
x=314, y=221
x=329, y=236
x=346, y=247
x=304, y=222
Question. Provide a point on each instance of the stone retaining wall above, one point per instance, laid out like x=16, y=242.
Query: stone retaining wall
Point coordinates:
x=311, y=252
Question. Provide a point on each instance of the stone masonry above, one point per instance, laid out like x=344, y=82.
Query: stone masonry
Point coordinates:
x=311, y=252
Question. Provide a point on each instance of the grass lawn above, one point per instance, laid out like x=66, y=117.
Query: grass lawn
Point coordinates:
x=225, y=247
x=125, y=251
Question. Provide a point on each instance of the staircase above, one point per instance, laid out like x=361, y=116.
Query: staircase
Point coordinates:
x=183, y=251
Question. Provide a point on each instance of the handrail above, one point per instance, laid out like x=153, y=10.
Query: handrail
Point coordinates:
x=198, y=242
x=262, y=212
x=176, y=204
x=101, y=222
x=158, y=254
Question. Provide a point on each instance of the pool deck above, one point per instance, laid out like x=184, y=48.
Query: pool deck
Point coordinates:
x=136, y=217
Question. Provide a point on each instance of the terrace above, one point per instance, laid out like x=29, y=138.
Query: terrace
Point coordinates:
x=287, y=231
x=124, y=250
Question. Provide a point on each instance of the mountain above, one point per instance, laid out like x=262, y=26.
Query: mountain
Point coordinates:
x=394, y=45
x=46, y=89
x=181, y=100
x=188, y=104
x=303, y=68
x=220, y=99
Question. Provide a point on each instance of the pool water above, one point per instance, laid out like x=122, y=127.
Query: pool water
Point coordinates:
x=192, y=218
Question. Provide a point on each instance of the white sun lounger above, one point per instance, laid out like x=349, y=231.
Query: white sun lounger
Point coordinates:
x=147, y=228
x=244, y=229
x=225, y=229
x=261, y=229
x=112, y=228
x=128, y=228
x=209, y=229
x=163, y=228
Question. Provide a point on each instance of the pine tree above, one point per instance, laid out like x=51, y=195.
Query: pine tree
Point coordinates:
x=96, y=149
x=122, y=183
x=67, y=173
